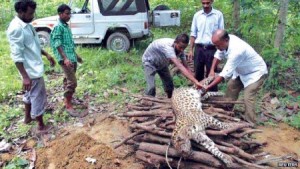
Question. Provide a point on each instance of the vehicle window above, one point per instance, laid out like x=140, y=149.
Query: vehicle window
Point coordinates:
x=121, y=7
x=80, y=6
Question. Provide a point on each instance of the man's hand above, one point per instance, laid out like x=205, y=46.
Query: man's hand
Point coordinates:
x=68, y=63
x=211, y=73
x=79, y=59
x=190, y=56
x=51, y=60
x=204, y=90
x=26, y=84
x=199, y=85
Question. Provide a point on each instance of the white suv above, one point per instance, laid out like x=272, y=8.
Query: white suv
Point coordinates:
x=111, y=22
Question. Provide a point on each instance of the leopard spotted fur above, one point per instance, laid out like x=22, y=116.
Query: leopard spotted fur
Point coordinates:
x=191, y=123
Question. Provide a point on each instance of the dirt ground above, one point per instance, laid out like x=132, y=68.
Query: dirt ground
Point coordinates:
x=281, y=139
x=74, y=144
x=96, y=142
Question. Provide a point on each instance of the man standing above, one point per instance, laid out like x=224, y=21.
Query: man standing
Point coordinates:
x=64, y=50
x=156, y=59
x=244, y=66
x=205, y=22
x=26, y=53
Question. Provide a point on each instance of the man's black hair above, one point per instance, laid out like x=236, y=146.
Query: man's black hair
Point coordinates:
x=62, y=8
x=184, y=38
x=225, y=36
x=22, y=5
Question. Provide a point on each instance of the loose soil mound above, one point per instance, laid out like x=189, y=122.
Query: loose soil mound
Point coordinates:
x=71, y=152
x=281, y=139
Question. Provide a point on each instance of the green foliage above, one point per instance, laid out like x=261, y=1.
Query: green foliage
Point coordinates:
x=294, y=120
x=17, y=163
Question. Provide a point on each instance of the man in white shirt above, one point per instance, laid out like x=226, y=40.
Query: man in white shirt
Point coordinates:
x=244, y=66
x=156, y=59
x=26, y=53
x=202, y=50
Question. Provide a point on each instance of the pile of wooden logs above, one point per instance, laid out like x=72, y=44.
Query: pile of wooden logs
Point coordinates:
x=152, y=122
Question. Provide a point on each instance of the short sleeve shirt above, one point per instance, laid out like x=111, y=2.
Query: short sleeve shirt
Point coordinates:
x=203, y=25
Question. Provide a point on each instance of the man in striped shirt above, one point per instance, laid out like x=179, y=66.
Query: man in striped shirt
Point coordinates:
x=64, y=50
x=156, y=59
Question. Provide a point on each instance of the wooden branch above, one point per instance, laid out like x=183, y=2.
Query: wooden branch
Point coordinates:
x=148, y=123
x=239, y=151
x=201, y=157
x=251, y=131
x=219, y=110
x=146, y=113
x=273, y=159
x=155, y=139
x=256, y=143
x=152, y=158
x=156, y=99
x=247, y=163
x=222, y=116
x=223, y=102
x=128, y=138
x=215, y=132
x=139, y=108
x=151, y=129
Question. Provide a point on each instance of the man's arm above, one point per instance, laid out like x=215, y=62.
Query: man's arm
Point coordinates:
x=67, y=62
x=216, y=81
x=213, y=67
x=185, y=64
x=49, y=57
x=25, y=77
x=79, y=59
x=192, y=45
x=185, y=72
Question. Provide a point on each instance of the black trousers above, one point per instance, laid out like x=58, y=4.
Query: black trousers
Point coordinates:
x=203, y=57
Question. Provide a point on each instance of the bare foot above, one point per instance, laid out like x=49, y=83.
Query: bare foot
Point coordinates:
x=27, y=120
x=43, y=129
x=72, y=112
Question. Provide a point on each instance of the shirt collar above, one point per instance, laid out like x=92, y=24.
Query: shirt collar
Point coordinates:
x=213, y=11
x=63, y=23
x=22, y=23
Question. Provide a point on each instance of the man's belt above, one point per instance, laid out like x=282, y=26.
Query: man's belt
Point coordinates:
x=204, y=46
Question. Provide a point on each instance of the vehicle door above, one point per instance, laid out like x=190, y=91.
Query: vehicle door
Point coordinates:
x=82, y=19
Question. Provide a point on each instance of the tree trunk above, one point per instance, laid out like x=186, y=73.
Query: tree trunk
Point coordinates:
x=281, y=23
x=236, y=16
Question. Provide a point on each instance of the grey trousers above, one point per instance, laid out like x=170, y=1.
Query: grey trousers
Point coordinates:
x=234, y=87
x=164, y=74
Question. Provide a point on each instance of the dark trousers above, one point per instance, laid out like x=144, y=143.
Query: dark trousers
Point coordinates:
x=165, y=77
x=203, y=58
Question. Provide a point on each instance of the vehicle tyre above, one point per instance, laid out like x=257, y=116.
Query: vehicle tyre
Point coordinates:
x=44, y=38
x=118, y=42
x=161, y=7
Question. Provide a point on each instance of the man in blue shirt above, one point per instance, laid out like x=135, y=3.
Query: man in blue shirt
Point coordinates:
x=26, y=53
x=202, y=50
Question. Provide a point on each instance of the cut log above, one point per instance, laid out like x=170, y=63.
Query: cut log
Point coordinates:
x=147, y=113
x=223, y=102
x=201, y=157
x=151, y=129
x=128, y=138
